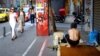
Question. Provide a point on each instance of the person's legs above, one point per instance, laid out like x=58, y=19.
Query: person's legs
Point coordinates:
x=19, y=25
x=23, y=22
x=22, y=27
x=32, y=18
x=13, y=31
x=64, y=40
x=67, y=40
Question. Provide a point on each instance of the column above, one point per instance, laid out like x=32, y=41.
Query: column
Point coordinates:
x=71, y=7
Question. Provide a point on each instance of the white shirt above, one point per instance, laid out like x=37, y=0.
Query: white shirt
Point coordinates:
x=12, y=19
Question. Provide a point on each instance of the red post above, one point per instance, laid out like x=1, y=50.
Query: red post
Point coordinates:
x=42, y=27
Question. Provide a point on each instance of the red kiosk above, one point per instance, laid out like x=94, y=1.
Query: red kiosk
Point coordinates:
x=42, y=23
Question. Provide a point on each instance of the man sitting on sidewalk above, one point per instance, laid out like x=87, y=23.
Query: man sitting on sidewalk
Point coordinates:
x=73, y=35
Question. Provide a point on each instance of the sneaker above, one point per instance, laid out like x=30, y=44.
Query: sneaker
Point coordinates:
x=14, y=38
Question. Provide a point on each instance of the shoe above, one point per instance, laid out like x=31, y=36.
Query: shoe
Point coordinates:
x=22, y=30
x=14, y=38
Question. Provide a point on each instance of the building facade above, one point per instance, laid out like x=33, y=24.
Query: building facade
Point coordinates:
x=15, y=3
x=96, y=7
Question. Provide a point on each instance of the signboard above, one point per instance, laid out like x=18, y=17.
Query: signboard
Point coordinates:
x=42, y=18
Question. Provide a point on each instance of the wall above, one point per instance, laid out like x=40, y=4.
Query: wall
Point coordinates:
x=97, y=14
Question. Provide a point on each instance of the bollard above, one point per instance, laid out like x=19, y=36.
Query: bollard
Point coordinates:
x=4, y=31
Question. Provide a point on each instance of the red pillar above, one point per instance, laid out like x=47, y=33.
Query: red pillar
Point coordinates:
x=42, y=18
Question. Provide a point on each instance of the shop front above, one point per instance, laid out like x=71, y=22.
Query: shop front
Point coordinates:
x=96, y=8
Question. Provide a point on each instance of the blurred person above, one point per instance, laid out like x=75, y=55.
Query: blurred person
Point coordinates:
x=78, y=18
x=21, y=20
x=32, y=14
x=26, y=10
x=12, y=22
x=73, y=36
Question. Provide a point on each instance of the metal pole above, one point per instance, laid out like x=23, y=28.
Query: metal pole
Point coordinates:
x=4, y=31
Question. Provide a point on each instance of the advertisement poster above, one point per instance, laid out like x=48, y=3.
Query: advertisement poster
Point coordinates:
x=42, y=18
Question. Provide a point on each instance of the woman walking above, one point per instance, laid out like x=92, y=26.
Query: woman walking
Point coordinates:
x=12, y=22
x=21, y=20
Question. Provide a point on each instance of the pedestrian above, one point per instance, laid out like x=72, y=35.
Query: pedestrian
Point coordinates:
x=12, y=22
x=21, y=20
x=78, y=18
x=32, y=14
x=73, y=36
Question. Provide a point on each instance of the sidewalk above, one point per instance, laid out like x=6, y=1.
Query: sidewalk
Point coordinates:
x=40, y=45
x=63, y=27
x=64, y=51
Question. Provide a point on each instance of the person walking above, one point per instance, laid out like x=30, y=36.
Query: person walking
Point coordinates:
x=12, y=22
x=21, y=20
x=32, y=14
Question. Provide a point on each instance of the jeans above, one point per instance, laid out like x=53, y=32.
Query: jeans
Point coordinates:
x=32, y=16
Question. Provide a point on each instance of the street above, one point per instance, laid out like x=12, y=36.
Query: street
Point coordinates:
x=27, y=43
x=7, y=27
x=43, y=13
